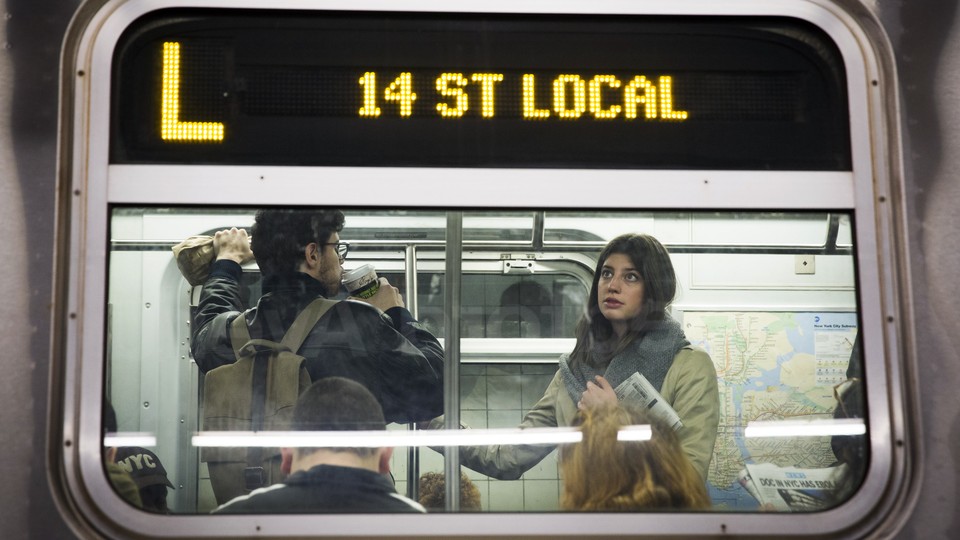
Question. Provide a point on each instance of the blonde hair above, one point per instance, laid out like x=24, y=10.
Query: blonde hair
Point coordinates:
x=602, y=473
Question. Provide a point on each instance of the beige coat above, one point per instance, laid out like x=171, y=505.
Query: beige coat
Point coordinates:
x=690, y=387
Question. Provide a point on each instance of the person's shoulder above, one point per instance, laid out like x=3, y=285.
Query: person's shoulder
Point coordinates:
x=261, y=500
x=692, y=353
x=124, y=484
x=556, y=382
x=357, y=306
x=362, y=312
x=402, y=503
x=352, y=489
x=693, y=358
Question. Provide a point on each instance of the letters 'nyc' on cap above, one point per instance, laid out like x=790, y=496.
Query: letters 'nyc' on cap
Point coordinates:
x=143, y=465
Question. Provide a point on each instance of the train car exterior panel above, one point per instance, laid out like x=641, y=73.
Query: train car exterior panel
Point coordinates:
x=903, y=189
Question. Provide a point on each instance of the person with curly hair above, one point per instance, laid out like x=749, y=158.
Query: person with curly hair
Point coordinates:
x=433, y=492
x=375, y=341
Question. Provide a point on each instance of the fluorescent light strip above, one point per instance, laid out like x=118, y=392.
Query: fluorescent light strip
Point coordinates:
x=375, y=439
x=635, y=433
x=121, y=439
x=821, y=427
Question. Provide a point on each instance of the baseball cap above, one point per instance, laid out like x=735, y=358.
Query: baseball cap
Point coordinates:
x=143, y=465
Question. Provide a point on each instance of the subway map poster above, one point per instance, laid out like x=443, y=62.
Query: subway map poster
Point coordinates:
x=770, y=366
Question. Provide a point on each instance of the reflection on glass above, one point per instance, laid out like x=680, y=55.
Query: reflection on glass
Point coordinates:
x=506, y=306
x=778, y=347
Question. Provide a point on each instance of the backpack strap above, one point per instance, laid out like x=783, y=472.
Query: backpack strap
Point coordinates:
x=244, y=345
x=261, y=350
x=239, y=334
x=304, y=323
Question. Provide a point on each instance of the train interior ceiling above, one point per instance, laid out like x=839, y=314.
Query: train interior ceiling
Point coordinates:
x=771, y=296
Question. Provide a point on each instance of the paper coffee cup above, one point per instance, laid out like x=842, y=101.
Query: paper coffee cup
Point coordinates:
x=361, y=282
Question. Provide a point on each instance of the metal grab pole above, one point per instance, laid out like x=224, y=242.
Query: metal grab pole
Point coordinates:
x=451, y=355
x=413, y=453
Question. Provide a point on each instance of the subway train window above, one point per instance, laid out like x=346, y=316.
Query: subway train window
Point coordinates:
x=771, y=367
x=335, y=260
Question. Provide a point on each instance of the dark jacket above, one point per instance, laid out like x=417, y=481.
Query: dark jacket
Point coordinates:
x=391, y=354
x=325, y=489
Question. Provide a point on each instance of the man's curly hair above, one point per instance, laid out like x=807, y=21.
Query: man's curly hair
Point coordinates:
x=279, y=236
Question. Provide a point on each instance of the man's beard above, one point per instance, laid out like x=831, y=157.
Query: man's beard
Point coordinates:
x=331, y=289
x=332, y=285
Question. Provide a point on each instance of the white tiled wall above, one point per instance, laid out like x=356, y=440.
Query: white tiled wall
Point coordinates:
x=494, y=396
x=497, y=396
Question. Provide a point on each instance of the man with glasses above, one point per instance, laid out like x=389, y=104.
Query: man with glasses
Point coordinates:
x=374, y=341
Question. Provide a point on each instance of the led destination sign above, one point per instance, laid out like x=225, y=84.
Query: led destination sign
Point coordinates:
x=372, y=89
x=573, y=97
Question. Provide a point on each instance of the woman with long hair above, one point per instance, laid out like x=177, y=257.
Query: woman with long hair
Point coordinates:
x=602, y=473
x=625, y=330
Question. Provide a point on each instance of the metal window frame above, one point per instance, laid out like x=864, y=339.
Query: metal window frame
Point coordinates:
x=872, y=190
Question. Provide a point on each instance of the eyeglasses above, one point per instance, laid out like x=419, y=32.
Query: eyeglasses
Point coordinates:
x=342, y=248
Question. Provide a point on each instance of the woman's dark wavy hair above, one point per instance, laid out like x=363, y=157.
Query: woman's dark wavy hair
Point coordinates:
x=596, y=342
x=279, y=236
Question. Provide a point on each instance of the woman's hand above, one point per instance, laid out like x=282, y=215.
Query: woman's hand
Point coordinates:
x=598, y=394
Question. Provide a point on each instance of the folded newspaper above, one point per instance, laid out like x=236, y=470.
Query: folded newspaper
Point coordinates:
x=789, y=489
x=639, y=390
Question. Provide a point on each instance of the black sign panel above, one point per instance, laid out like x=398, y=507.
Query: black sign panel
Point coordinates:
x=466, y=90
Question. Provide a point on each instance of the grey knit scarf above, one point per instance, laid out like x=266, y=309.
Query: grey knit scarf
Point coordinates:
x=651, y=354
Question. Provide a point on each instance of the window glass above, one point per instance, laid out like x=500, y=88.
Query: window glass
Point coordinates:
x=772, y=320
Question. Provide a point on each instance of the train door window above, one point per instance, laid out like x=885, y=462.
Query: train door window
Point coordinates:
x=507, y=306
x=681, y=200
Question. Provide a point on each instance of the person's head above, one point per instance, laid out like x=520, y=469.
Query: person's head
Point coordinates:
x=337, y=404
x=433, y=493
x=109, y=417
x=603, y=473
x=850, y=450
x=148, y=473
x=109, y=426
x=286, y=241
x=633, y=284
x=525, y=311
